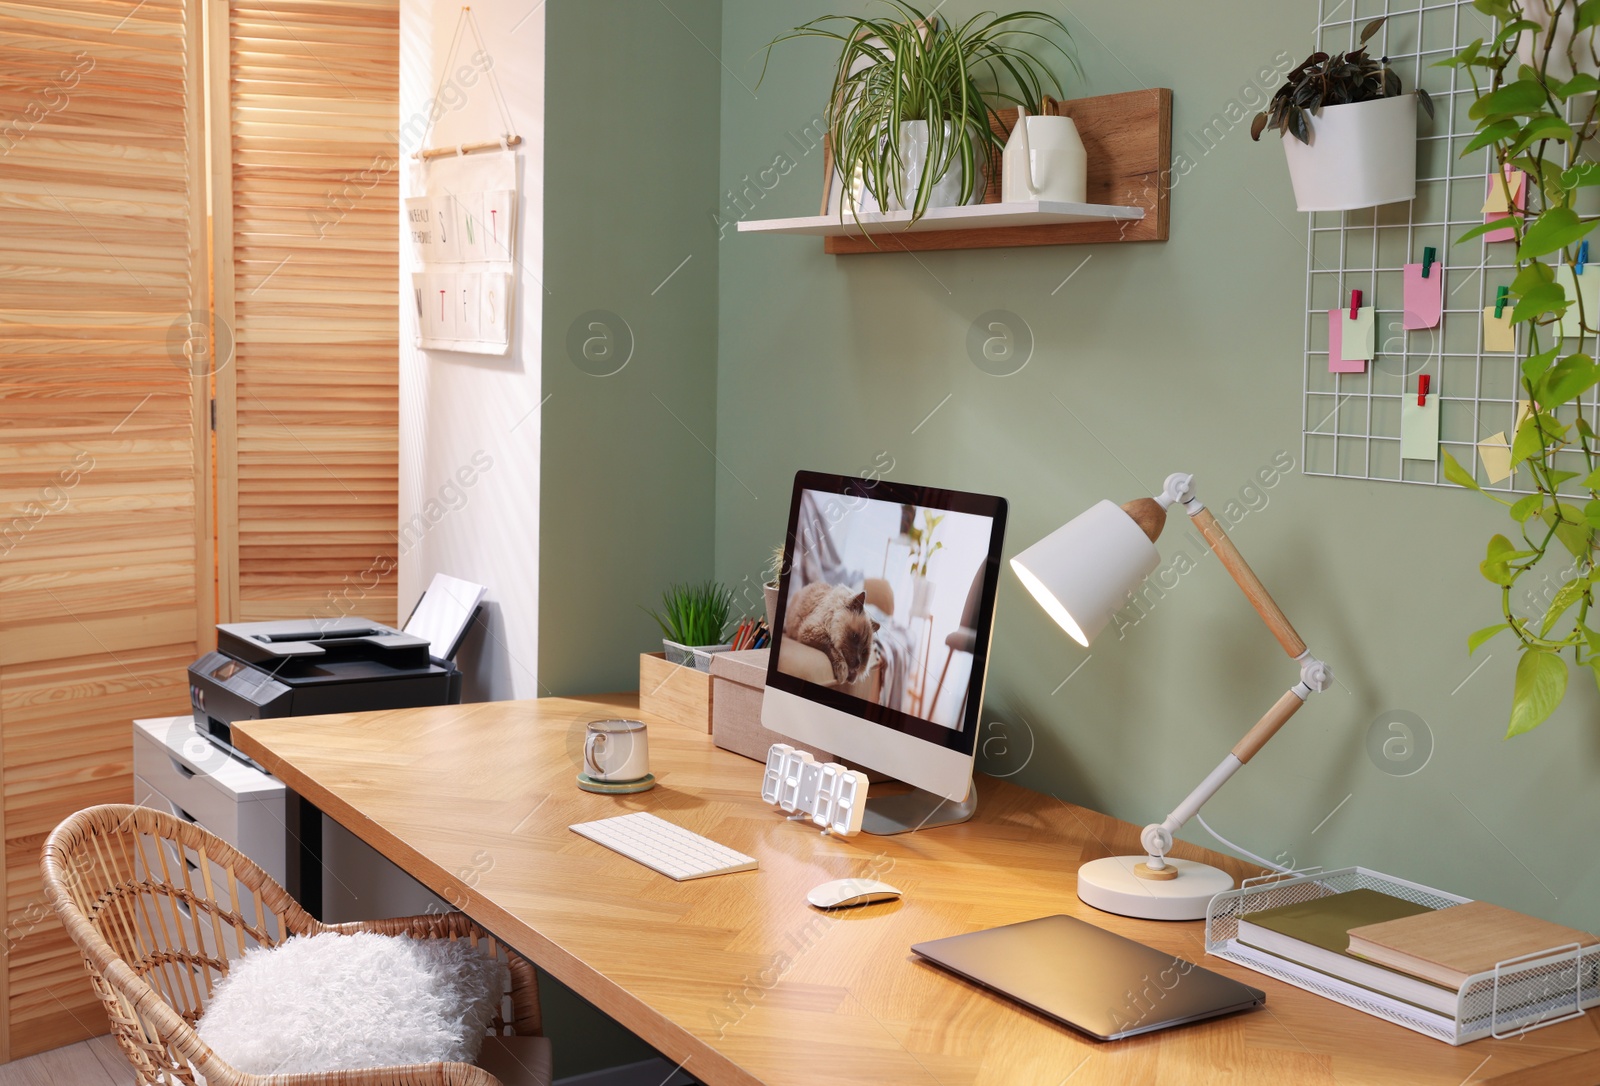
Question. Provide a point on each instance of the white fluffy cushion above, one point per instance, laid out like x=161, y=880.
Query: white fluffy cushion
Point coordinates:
x=343, y=1002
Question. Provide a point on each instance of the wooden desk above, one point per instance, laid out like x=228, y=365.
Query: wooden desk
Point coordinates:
x=742, y=981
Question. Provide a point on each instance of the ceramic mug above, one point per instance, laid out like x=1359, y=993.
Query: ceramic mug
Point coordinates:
x=616, y=751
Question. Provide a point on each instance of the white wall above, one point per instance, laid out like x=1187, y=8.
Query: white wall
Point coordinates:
x=469, y=424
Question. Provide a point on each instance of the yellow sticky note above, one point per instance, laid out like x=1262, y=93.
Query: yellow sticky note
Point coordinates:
x=1496, y=457
x=1419, y=428
x=1358, y=338
x=1495, y=203
x=1498, y=334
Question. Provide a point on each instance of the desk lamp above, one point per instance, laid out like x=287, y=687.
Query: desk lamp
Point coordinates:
x=1081, y=574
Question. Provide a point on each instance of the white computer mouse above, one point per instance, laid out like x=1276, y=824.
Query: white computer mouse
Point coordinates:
x=843, y=893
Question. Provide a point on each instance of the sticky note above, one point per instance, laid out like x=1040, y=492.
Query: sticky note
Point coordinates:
x=1496, y=457
x=1359, y=336
x=1495, y=203
x=1424, y=298
x=1498, y=334
x=1496, y=199
x=1419, y=427
x=1524, y=409
x=1337, y=363
x=1581, y=290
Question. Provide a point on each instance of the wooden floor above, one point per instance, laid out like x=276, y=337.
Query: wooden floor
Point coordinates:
x=91, y=1063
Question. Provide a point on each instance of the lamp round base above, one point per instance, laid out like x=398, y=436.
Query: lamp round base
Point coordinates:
x=1110, y=885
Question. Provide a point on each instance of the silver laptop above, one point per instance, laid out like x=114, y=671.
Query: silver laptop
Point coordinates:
x=1088, y=978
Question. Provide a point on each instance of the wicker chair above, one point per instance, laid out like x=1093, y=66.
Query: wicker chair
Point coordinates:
x=158, y=907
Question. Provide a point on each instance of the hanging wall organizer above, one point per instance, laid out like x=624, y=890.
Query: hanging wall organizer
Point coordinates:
x=463, y=231
x=1354, y=416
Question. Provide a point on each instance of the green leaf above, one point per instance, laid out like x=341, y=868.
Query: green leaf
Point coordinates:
x=1591, y=513
x=1526, y=508
x=1493, y=133
x=1582, y=83
x=1567, y=379
x=1477, y=639
x=1520, y=97
x=1542, y=299
x=1541, y=684
x=1530, y=276
x=1528, y=443
x=1570, y=527
x=1548, y=127
x=1496, y=567
x=1595, y=665
x=1533, y=367
x=1483, y=228
x=1458, y=474
x=1593, y=637
x=1592, y=482
x=1567, y=595
x=1588, y=15
x=1557, y=228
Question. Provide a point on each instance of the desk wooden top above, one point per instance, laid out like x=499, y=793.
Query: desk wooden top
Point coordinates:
x=739, y=978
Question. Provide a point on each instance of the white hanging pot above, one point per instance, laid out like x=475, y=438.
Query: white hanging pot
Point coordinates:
x=1044, y=160
x=946, y=190
x=1360, y=155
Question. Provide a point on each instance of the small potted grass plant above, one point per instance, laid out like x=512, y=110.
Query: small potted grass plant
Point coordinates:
x=912, y=98
x=693, y=619
x=1348, y=133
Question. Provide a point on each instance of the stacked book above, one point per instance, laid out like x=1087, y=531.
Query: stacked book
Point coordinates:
x=1398, y=948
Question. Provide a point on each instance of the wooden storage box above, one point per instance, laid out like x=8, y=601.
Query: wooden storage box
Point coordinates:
x=738, y=680
x=674, y=692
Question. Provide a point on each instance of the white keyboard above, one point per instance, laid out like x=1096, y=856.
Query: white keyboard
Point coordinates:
x=664, y=847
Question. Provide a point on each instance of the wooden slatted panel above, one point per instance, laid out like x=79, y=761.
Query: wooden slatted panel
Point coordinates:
x=101, y=500
x=307, y=270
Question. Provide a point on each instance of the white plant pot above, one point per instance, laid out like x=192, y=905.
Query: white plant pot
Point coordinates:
x=946, y=187
x=921, y=596
x=1360, y=155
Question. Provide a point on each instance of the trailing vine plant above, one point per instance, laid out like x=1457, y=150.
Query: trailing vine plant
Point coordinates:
x=1534, y=121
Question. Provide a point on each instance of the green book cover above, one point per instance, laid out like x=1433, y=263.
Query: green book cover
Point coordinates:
x=1326, y=921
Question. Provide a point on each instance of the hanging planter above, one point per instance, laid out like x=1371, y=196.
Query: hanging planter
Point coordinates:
x=1357, y=155
x=1349, y=135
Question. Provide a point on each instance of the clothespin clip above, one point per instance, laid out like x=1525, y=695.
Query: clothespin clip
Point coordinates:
x=1500, y=301
x=1583, y=256
x=1355, y=304
x=1422, y=390
x=1429, y=255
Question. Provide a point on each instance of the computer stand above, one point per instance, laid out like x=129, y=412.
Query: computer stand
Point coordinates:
x=915, y=810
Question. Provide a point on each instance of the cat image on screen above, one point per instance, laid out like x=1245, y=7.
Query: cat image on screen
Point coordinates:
x=833, y=620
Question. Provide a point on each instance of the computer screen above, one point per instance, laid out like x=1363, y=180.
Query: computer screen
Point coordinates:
x=885, y=606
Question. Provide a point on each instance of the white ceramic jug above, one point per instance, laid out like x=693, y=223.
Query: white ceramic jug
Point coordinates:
x=1044, y=160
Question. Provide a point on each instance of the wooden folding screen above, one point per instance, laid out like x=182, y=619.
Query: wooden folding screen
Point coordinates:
x=105, y=572
x=306, y=280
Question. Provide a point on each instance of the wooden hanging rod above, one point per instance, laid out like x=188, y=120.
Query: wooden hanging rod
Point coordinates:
x=467, y=148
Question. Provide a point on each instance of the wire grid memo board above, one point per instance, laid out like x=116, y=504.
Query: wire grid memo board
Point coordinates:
x=1351, y=422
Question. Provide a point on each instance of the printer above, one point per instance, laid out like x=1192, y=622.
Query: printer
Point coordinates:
x=305, y=667
x=310, y=666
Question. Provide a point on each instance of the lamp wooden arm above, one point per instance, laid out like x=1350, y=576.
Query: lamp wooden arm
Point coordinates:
x=1251, y=585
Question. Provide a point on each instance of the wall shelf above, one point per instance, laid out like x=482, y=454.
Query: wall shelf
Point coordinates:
x=972, y=216
x=1128, y=138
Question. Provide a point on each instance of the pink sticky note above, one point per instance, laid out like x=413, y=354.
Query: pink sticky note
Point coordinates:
x=1337, y=363
x=1424, y=301
x=1520, y=200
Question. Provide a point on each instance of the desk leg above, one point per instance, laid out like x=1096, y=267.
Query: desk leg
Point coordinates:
x=303, y=853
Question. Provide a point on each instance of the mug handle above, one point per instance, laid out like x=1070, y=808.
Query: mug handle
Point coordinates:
x=590, y=766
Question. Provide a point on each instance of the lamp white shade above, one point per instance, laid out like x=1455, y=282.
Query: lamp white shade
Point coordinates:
x=1082, y=572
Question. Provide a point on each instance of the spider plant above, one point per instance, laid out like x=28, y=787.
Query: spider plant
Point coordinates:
x=909, y=66
x=694, y=615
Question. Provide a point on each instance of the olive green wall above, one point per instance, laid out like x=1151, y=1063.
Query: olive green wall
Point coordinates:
x=1149, y=359
x=626, y=487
